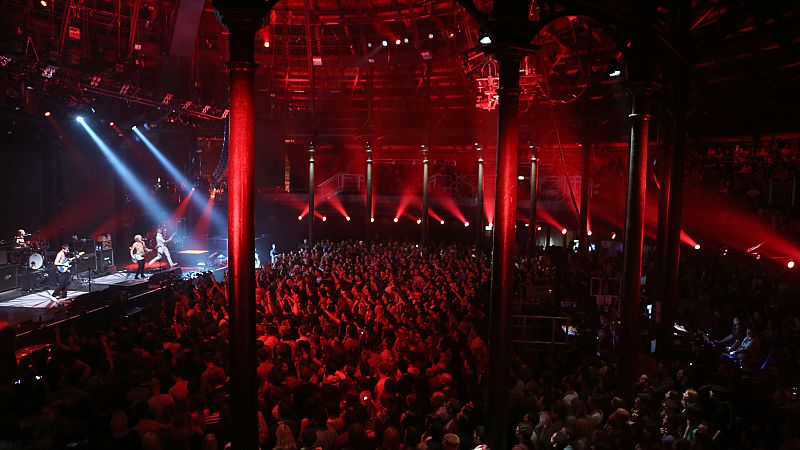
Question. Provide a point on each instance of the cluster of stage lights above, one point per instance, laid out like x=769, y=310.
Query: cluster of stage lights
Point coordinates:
x=372, y=220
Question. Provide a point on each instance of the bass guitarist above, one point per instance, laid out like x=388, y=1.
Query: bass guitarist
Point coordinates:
x=138, y=250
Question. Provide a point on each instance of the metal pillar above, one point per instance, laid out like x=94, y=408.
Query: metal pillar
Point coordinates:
x=672, y=247
x=368, y=206
x=503, y=247
x=242, y=19
x=634, y=235
x=479, y=203
x=664, y=182
x=311, y=188
x=533, y=199
x=584, y=210
x=424, y=193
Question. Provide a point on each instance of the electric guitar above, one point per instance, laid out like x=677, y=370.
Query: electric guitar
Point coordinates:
x=64, y=266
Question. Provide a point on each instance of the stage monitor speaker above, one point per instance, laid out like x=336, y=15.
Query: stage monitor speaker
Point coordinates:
x=8, y=277
x=31, y=280
x=167, y=275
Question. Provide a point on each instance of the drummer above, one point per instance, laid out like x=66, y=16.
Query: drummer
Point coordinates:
x=19, y=239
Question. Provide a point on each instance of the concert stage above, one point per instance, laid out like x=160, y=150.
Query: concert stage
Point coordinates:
x=18, y=307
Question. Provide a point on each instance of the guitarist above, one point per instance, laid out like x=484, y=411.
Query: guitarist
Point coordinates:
x=161, y=247
x=138, y=250
x=64, y=276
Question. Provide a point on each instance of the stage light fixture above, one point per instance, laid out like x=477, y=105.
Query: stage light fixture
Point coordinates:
x=397, y=41
x=563, y=231
x=520, y=177
x=324, y=218
x=441, y=222
x=430, y=35
x=396, y=220
x=47, y=114
x=589, y=233
x=419, y=221
x=697, y=246
x=372, y=219
x=79, y=119
x=486, y=40
x=790, y=264
x=615, y=73
x=539, y=228
x=299, y=217
x=369, y=44
x=613, y=235
x=111, y=124
x=385, y=43
x=405, y=40
x=347, y=218
x=266, y=44
x=43, y=3
x=466, y=224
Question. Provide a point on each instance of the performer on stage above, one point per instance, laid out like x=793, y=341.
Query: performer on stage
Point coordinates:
x=161, y=247
x=138, y=250
x=64, y=275
x=19, y=239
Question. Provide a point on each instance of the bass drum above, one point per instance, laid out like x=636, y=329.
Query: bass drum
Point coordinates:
x=35, y=261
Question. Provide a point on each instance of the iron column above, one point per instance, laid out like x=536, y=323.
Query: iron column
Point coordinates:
x=424, y=193
x=532, y=204
x=311, y=188
x=503, y=247
x=479, y=203
x=634, y=234
x=242, y=19
x=368, y=207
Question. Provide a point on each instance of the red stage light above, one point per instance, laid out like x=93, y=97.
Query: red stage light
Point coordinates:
x=697, y=246
x=613, y=235
x=324, y=218
x=395, y=220
x=589, y=233
x=419, y=221
x=299, y=217
x=47, y=114
x=111, y=124
x=372, y=219
x=563, y=231
x=43, y=3
x=397, y=41
x=347, y=218
x=441, y=222
x=790, y=264
x=466, y=224
x=266, y=44
x=539, y=228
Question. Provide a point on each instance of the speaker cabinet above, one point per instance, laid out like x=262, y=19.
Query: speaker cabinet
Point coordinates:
x=8, y=277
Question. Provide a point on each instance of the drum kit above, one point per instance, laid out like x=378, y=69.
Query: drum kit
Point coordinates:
x=31, y=256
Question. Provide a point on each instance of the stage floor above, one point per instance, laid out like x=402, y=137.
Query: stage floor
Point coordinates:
x=17, y=306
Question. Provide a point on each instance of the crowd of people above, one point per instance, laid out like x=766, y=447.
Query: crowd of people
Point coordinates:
x=383, y=346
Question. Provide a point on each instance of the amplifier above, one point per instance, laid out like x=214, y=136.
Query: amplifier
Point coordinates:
x=8, y=277
x=105, y=259
x=85, y=263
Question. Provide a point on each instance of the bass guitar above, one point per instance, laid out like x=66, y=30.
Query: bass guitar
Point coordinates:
x=64, y=266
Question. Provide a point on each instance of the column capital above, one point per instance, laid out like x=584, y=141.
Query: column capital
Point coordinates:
x=243, y=15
